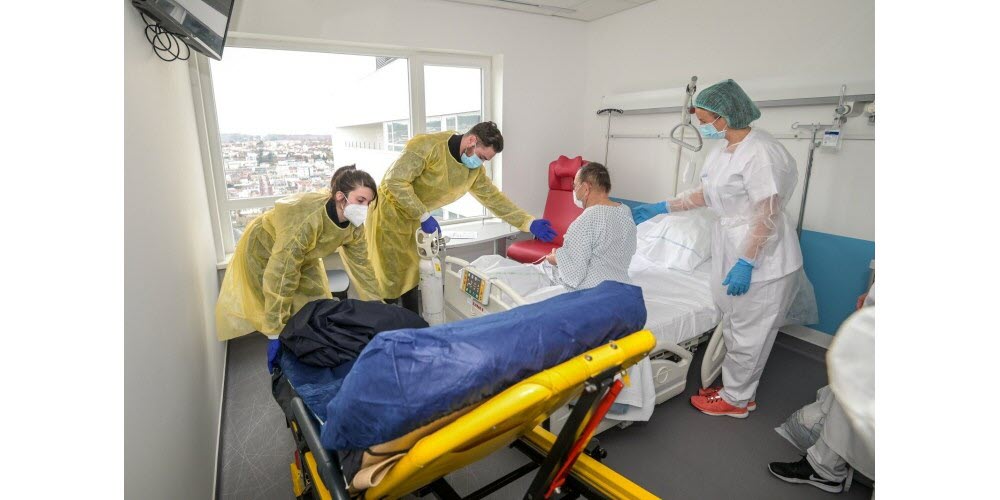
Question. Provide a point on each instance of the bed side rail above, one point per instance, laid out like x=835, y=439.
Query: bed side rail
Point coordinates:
x=449, y=260
x=498, y=288
x=672, y=348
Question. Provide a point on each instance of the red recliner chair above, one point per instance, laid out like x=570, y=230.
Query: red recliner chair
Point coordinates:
x=559, y=210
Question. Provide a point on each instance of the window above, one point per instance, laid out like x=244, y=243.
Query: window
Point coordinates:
x=277, y=121
x=454, y=97
x=241, y=218
x=396, y=134
x=434, y=125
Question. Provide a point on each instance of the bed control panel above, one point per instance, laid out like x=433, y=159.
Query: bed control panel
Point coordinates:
x=476, y=285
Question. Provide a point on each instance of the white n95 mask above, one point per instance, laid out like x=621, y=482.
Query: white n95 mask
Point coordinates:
x=577, y=201
x=356, y=213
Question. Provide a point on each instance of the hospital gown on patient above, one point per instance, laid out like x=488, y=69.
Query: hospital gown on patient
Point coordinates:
x=598, y=246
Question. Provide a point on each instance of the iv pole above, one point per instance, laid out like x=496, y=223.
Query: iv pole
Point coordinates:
x=607, y=141
x=839, y=117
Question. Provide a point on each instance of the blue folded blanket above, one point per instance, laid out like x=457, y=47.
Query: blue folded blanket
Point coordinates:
x=405, y=379
x=316, y=385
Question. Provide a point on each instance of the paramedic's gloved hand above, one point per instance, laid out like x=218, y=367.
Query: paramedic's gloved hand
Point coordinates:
x=542, y=230
x=643, y=213
x=738, y=278
x=273, y=346
x=430, y=225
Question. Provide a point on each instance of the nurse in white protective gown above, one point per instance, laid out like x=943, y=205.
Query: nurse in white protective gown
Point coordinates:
x=747, y=180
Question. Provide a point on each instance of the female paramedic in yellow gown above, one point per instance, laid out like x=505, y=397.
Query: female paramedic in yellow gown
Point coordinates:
x=433, y=171
x=278, y=264
x=756, y=261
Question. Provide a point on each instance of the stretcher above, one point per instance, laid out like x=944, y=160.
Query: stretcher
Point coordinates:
x=565, y=466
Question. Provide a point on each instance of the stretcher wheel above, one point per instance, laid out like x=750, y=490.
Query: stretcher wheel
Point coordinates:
x=595, y=451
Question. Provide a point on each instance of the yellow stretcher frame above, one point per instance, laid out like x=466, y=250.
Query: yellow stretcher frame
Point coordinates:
x=515, y=414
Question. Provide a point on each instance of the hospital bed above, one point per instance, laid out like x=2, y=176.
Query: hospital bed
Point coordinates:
x=681, y=314
x=512, y=418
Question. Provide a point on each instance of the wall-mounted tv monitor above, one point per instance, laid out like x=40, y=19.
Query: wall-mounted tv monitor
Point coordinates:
x=201, y=23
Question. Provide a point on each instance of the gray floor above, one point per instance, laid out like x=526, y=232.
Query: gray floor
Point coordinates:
x=679, y=453
x=256, y=447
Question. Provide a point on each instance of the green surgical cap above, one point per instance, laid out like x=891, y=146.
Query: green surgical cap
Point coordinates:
x=726, y=98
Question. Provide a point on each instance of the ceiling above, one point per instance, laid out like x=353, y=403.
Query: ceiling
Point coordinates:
x=581, y=10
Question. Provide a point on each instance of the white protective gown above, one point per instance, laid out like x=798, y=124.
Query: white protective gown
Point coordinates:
x=849, y=434
x=744, y=185
x=844, y=411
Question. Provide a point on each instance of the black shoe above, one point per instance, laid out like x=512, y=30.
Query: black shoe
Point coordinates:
x=802, y=473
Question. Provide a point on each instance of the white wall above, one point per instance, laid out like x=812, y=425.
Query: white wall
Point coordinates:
x=663, y=43
x=542, y=65
x=173, y=364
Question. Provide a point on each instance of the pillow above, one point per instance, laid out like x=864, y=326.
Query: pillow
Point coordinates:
x=676, y=241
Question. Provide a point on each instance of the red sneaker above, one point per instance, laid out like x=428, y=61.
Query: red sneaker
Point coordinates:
x=716, y=406
x=711, y=391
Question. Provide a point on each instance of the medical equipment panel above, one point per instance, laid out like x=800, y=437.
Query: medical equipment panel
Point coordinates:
x=476, y=285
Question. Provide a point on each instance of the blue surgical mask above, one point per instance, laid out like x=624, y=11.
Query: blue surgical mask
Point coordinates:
x=708, y=131
x=471, y=161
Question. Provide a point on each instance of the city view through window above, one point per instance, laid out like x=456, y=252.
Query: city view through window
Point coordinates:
x=288, y=119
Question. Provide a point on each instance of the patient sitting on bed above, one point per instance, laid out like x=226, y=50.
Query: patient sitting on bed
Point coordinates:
x=598, y=246
x=600, y=243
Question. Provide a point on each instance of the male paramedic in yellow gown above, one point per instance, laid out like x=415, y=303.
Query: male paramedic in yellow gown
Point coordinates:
x=433, y=171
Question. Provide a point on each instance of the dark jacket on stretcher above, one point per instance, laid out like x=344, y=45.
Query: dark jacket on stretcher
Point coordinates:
x=330, y=332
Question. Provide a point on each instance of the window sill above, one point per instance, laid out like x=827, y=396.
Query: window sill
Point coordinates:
x=331, y=262
x=470, y=224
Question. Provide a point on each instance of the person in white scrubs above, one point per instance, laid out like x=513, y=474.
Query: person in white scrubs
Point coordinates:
x=847, y=413
x=747, y=180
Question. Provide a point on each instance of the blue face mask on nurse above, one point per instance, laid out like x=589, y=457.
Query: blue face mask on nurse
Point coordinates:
x=708, y=130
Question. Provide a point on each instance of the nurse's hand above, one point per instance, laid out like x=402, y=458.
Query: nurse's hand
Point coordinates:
x=738, y=278
x=643, y=213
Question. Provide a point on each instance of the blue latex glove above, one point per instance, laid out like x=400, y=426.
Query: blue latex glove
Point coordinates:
x=738, y=278
x=273, y=346
x=430, y=225
x=542, y=230
x=643, y=213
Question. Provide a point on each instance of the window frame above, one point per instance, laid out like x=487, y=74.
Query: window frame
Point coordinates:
x=484, y=64
x=210, y=139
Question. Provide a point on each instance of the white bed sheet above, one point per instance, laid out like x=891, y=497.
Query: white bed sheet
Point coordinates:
x=679, y=304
